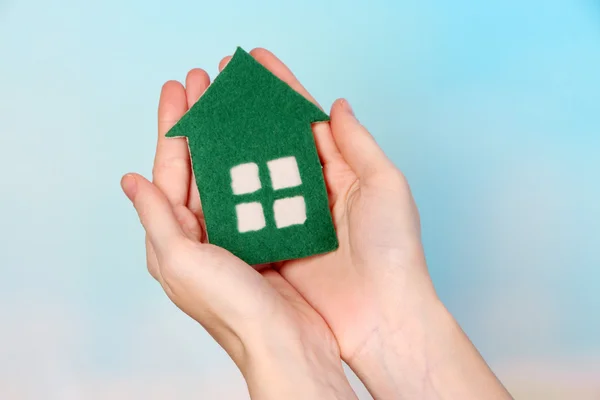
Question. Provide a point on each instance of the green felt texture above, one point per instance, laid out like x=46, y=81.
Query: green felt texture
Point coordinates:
x=249, y=115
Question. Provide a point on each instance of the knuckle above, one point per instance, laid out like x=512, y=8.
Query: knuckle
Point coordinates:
x=174, y=263
x=165, y=165
x=144, y=210
x=390, y=177
x=398, y=177
x=152, y=262
x=153, y=270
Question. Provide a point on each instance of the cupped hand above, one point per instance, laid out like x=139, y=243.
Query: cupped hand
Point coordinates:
x=378, y=275
x=257, y=317
x=374, y=291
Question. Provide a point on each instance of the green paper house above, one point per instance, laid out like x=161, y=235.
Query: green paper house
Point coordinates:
x=256, y=166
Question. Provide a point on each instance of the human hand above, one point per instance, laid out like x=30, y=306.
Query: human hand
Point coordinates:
x=374, y=292
x=262, y=322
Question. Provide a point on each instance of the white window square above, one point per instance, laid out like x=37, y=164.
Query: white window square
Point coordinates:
x=245, y=179
x=284, y=173
x=250, y=217
x=289, y=211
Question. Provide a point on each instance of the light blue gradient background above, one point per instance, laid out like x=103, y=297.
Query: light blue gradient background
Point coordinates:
x=491, y=108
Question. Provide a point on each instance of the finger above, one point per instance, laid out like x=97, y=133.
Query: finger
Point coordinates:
x=283, y=287
x=223, y=63
x=326, y=146
x=280, y=70
x=355, y=143
x=188, y=222
x=171, y=171
x=155, y=212
x=194, y=203
x=151, y=260
x=288, y=292
x=196, y=82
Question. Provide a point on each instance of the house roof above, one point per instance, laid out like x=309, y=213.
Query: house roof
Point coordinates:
x=243, y=91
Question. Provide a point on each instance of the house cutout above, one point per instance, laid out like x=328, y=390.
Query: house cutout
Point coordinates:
x=256, y=165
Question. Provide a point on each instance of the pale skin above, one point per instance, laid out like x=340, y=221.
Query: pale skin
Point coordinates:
x=287, y=326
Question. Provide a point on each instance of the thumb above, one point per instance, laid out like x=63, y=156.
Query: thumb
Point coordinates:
x=357, y=146
x=154, y=210
x=229, y=298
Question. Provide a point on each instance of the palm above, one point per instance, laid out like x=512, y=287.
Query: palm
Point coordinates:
x=340, y=284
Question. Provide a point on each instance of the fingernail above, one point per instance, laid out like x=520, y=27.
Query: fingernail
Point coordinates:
x=129, y=185
x=348, y=107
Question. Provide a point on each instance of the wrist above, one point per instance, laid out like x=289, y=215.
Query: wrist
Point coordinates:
x=424, y=355
x=394, y=358
x=288, y=368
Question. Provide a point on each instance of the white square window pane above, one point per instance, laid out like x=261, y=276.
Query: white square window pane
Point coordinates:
x=250, y=217
x=289, y=211
x=245, y=178
x=284, y=173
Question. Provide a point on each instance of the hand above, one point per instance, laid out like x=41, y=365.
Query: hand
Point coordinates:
x=374, y=292
x=377, y=224
x=257, y=317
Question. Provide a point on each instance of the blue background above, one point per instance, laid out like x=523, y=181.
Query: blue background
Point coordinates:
x=491, y=108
